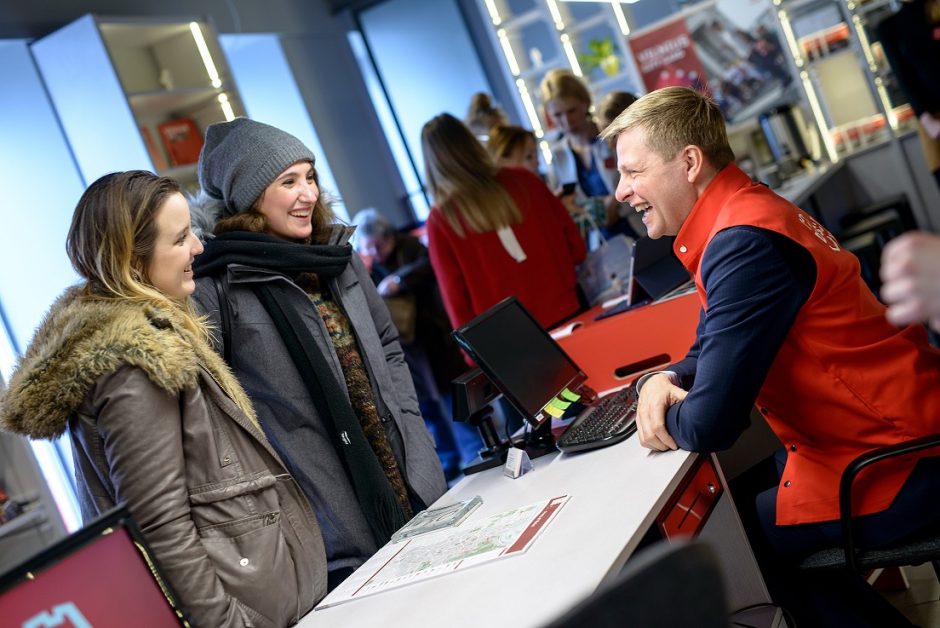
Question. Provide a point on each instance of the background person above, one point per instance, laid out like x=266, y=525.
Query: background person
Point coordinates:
x=156, y=419
x=910, y=272
x=400, y=269
x=483, y=114
x=311, y=341
x=912, y=46
x=612, y=105
x=513, y=146
x=787, y=322
x=581, y=160
x=496, y=232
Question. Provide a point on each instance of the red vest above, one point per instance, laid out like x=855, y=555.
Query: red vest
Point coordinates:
x=845, y=381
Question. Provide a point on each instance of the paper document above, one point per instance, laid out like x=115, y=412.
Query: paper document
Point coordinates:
x=561, y=332
x=474, y=542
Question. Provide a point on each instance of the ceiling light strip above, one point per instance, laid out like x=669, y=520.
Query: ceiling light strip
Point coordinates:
x=556, y=14
x=204, y=53
x=530, y=109
x=494, y=12
x=572, y=57
x=621, y=18
x=507, y=51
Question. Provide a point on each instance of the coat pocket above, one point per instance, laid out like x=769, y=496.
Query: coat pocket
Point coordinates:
x=220, y=503
x=254, y=563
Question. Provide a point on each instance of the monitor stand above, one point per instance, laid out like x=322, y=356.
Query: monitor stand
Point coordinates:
x=493, y=454
x=540, y=440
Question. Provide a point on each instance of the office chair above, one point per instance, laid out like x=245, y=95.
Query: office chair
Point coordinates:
x=914, y=551
x=668, y=585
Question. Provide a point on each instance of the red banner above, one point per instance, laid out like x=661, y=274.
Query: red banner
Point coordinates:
x=666, y=57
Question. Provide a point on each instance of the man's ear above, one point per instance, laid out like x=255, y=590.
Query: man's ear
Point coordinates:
x=693, y=159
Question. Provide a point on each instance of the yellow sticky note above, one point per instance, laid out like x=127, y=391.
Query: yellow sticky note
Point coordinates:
x=559, y=403
x=552, y=411
x=570, y=396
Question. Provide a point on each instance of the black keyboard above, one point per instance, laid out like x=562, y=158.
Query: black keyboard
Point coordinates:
x=609, y=421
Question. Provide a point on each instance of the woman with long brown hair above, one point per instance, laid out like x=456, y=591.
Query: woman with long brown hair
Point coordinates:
x=156, y=419
x=495, y=232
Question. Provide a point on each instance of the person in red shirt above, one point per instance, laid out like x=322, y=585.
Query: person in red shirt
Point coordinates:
x=787, y=323
x=495, y=232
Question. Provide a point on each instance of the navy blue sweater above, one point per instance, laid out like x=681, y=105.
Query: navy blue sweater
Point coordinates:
x=756, y=281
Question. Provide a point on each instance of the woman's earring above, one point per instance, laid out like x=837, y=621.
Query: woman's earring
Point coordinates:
x=135, y=275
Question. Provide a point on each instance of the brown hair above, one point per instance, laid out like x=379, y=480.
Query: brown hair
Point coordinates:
x=673, y=118
x=111, y=239
x=253, y=220
x=613, y=104
x=483, y=115
x=506, y=141
x=462, y=178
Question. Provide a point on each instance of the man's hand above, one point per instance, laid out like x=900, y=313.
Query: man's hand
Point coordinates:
x=656, y=396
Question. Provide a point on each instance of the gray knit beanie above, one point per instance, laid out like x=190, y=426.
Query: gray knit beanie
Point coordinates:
x=241, y=158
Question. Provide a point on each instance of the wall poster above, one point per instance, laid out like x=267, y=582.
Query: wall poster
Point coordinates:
x=731, y=49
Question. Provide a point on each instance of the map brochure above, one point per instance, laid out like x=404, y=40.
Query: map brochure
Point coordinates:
x=447, y=550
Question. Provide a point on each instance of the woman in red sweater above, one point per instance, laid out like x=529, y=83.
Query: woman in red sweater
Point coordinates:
x=495, y=232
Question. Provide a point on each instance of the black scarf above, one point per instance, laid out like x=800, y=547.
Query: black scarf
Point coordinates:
x=379, y=504
x=272, y=253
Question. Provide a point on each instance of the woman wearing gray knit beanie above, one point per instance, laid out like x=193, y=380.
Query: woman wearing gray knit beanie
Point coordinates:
x=302, y=326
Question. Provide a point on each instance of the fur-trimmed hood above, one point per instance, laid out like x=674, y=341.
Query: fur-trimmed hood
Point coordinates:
x=83, y=338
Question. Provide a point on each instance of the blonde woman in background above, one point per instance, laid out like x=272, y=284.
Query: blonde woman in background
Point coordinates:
x=582, y=164
x=156, y=419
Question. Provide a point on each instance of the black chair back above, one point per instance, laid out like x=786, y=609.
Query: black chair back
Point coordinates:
x=668, y=585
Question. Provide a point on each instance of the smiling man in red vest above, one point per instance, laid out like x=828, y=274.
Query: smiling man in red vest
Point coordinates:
x=787, y=323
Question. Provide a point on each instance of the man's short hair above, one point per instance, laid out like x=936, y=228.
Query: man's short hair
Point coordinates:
x=673, y=118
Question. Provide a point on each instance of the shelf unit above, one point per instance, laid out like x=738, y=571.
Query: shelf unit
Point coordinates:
x=849, y=85
x=115, y=82
x=536, y=36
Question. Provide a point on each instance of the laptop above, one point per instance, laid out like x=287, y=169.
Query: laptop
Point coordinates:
x=655, y=273
x=656, y=269
x=102, y=575
x=537, y=376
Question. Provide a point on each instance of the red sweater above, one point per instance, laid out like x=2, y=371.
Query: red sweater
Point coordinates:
x=475, y=272
x=845, y=381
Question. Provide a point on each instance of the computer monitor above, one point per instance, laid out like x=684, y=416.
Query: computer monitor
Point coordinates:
x=102, y=575
x=519, y=357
